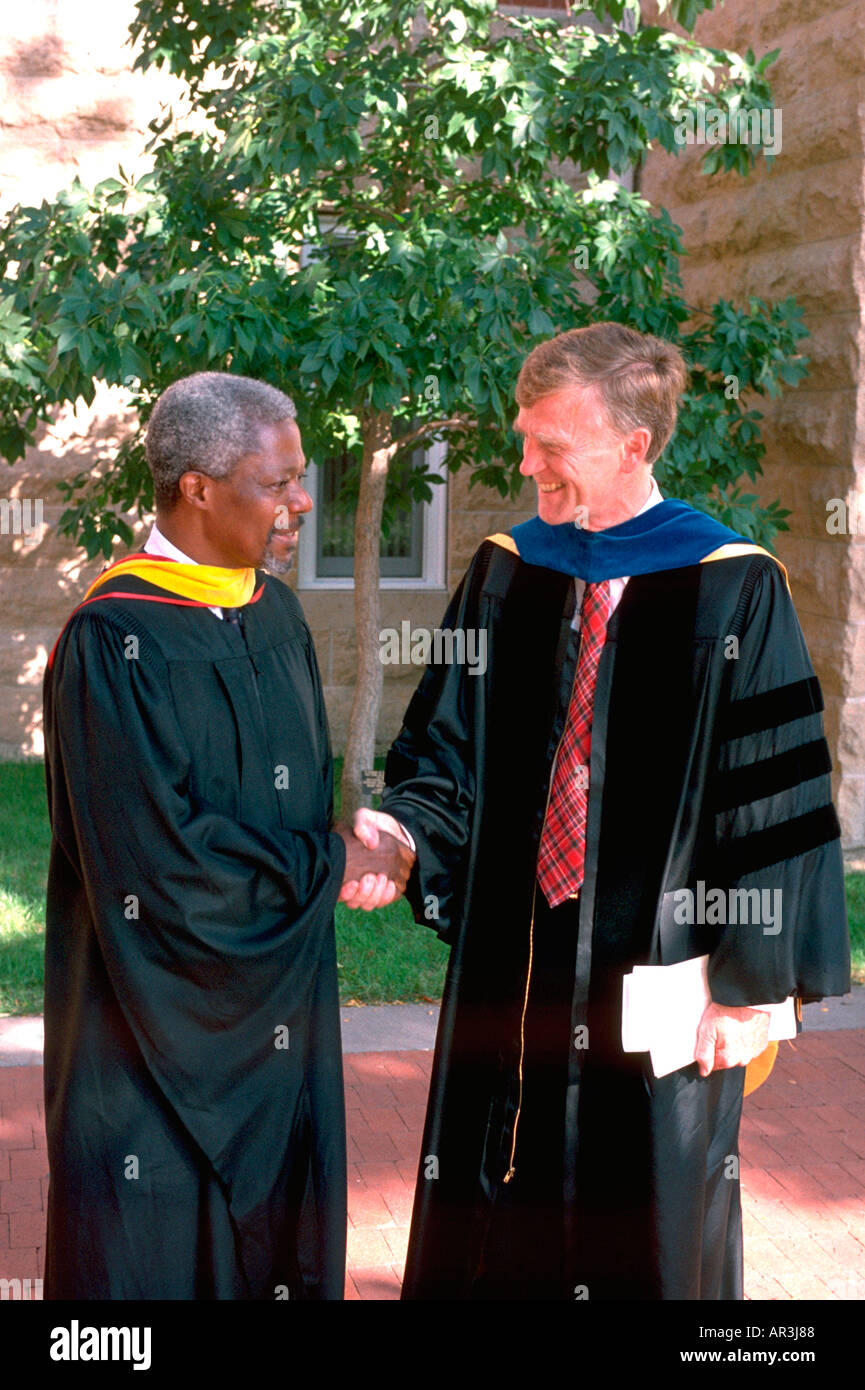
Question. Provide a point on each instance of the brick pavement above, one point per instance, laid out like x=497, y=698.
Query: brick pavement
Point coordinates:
x=802, y=1150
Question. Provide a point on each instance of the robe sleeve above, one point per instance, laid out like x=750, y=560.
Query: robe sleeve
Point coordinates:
x=777, y=850
x=429, y=773
x=211, y=931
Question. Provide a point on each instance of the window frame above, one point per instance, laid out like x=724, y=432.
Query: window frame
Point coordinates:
x=434, y=520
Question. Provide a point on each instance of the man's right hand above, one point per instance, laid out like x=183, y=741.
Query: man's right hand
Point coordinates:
x=373, y=877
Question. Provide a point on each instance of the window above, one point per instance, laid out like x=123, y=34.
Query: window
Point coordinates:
x=412, y=555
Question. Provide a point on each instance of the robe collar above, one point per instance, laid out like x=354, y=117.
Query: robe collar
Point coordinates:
x=670, y=535
x=209, y=585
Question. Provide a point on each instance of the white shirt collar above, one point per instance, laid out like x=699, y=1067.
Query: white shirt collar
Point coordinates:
x=652, y=500
x=157, y=544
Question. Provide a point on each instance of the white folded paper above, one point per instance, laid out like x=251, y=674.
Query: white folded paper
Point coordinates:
x=661, y=1010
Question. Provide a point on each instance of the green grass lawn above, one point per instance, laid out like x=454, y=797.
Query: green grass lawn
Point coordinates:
x=23, y=870
x=384, y=957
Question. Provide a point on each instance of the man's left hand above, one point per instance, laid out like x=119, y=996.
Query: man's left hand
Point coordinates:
x=370, y=893
x=730, y=1037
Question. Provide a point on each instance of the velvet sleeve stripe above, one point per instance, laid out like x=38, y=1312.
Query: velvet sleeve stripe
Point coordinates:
x=771, y=708
x=779, y=842
x=757, y=780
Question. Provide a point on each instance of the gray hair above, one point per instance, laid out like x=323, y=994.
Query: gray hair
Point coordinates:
x=206, y=423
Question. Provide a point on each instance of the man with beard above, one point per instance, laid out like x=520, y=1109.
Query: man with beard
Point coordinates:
x=647, y=735
x=193, y=1071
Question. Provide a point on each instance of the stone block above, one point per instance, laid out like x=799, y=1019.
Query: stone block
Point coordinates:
x=819, y=275
x=815, y=427
x=39, y=55
x=850, y=805
x=833, y=352
x=851, y=736
x=856, y=583
x=775, y=18
x=35, y=599
x=23, y=656
x=811, y=130
x=832, y=716
x=818, y=579
x=818, y=127
x=71, y=109
x=830, y=200
x=827, y=53
x=826, y=644
x=853, y=671
x=735, y=27
x=806, y=492
x=824, y=670
x=772, y=274
x=21, y=719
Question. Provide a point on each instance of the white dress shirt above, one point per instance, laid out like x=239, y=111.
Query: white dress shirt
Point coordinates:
x=157, y=544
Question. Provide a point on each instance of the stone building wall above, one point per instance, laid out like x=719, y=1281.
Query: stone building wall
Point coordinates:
x=42, y=575
x=797, y=229
x=69, y=105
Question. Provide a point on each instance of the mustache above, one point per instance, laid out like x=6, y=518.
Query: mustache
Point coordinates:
x=279, y=530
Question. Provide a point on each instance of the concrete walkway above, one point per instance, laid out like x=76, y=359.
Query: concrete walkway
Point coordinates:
x=802, y=1150
x=401, y=1027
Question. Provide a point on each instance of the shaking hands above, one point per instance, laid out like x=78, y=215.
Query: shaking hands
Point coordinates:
x=378, y=860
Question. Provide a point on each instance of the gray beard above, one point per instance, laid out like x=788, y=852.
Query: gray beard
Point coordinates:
x=274, y=565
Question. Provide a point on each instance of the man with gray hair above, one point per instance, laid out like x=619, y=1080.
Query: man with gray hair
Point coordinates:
x=193, y=1071
x=647, y=733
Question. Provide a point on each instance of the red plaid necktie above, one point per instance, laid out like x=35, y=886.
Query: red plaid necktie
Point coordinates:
x=562, y=854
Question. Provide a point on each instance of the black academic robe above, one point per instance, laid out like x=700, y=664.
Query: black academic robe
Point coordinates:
x=553, y=1164
x=193, y=1073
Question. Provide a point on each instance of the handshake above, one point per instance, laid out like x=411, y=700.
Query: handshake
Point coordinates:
x=378, y=860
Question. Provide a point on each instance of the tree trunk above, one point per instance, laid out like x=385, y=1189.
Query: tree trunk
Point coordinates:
x=363, y=720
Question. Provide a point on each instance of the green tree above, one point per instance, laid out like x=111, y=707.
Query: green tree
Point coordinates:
x=422, y=152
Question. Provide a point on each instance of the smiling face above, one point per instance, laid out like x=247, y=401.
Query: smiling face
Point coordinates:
x=250, y=518
x=582, y=469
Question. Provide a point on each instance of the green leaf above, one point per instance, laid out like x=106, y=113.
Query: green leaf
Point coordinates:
x=540, y=322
